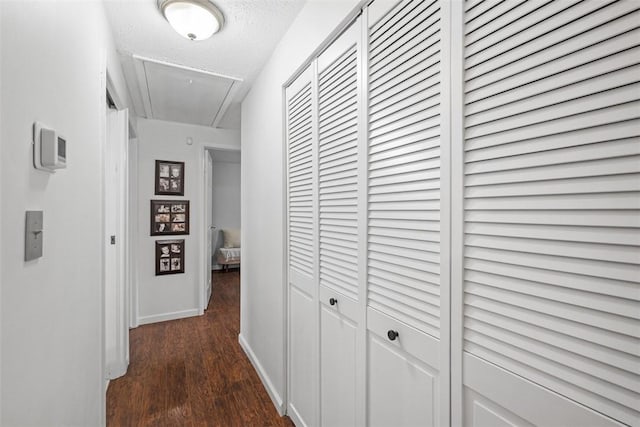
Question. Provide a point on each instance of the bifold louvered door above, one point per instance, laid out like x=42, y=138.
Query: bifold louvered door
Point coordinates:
x=551, y=243
x=339, y=103
x=302, y=245
x=407, y=277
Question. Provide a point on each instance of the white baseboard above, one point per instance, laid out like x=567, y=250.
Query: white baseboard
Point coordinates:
x=273, y=394
x=116, y=370
x=295, y=416
x=145, y=320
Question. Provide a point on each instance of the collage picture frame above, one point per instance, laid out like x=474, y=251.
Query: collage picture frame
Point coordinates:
x=169, y=257
x=169, y=178
x=169, y=217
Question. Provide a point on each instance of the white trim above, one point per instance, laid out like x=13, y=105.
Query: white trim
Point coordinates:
x=444, y=364
x=339, y=29
x=117, y=257
x=184, y=67
x=295, y=417
x=285, y=255
x=202, y=275
x=103, y=240
x=457, y=206
x=145, y=320
x=222, y=111
x=266, y=381
x=116, y=370
x=143, y=87
x=315, y=202
x=133, y=289
x=362, y=221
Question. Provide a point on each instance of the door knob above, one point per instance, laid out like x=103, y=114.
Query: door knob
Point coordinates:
x=333, y=301
x=392, y=335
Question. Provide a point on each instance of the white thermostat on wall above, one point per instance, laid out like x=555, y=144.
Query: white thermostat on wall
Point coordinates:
x=49, y=148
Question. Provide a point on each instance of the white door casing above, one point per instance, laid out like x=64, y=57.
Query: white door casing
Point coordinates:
x=116, y=253
x=208, y=203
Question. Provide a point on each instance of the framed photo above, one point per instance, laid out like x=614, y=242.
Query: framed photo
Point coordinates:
x=169, y=257
x=169, y=217
x=169, y=178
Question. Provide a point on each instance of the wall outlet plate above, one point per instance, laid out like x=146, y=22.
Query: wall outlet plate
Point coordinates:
x=33, y=235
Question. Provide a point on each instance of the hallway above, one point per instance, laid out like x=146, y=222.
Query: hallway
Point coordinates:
x=192, y=372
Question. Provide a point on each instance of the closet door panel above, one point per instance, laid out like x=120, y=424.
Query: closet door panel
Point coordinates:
x=303, y=355
x=406, y=273
x=402, y=389
x=302, y=250
x=338, y=108
x=337, y=368
x=404, y=171
x=339, y=119
x=551, y=238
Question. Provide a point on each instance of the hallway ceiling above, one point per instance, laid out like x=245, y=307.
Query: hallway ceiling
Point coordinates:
x=251, y=31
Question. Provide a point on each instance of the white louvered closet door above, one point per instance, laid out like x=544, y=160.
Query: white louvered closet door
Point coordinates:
x=302, y=245
x=551, y=216
x=407, y=277
x=339, y=103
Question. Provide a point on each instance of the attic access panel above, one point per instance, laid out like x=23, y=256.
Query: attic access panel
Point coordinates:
x=185, y=95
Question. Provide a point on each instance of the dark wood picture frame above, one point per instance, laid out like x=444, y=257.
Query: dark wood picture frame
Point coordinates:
x=169, y=257
x=169, y=217
x=169, y=178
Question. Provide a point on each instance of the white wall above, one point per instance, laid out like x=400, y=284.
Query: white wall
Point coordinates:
x=52, y=70
x=225, y=199
x=177, y=295
x=262, y=280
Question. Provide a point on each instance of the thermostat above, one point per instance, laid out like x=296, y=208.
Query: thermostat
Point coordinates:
x=49, y=148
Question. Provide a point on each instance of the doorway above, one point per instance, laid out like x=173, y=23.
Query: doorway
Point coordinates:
x=222, y=217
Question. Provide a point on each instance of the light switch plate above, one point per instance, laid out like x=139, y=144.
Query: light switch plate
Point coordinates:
x=33, y=235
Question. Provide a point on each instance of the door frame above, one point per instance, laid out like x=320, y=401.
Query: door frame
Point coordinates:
x=124, y=232
x=202, y=164
x=117, y=210
x=208, y=213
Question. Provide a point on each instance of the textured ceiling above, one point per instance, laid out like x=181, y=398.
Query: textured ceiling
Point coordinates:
x=251, y=31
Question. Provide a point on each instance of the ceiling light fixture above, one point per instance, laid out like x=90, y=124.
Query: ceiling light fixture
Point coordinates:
x=193, y=19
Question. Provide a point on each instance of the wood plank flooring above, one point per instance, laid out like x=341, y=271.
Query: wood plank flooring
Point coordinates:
x=193, y=372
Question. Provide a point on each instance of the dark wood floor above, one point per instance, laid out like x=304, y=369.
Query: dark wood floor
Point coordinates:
x=193, y=372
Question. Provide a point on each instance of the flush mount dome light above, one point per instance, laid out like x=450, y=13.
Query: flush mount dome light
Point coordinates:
x=193, y=19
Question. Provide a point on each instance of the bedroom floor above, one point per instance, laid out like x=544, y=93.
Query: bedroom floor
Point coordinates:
x=192, y=372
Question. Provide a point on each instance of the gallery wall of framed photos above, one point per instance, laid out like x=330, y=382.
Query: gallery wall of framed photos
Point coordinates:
x=169, y=217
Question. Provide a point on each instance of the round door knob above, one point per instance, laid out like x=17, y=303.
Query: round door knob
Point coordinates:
x=392, y=335
x=333, y=301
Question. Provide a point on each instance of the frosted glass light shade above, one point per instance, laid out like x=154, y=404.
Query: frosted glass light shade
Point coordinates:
x=192, y=19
